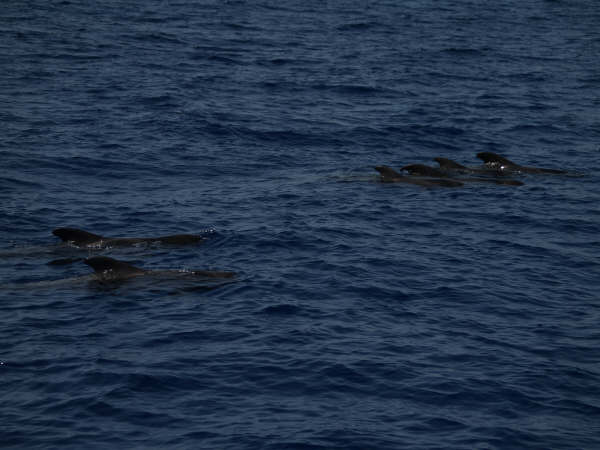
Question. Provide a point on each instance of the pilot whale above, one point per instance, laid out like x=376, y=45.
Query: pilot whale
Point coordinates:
x=389, y=175
x=452, y=166
x=82, y=238
x=427, y=171
x=110, y=269
x=499, y=162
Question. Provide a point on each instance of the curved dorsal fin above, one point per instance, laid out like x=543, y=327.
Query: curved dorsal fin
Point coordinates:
x=388, y=173
x=112, y=267
x=495, y=159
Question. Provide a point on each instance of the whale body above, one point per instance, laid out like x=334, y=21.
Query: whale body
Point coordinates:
x=389, y=175
x=110, y=269
x=427, y=171
x=82, y=238
x=452, y=166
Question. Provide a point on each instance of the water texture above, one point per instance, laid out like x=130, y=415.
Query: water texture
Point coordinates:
x=364, y=315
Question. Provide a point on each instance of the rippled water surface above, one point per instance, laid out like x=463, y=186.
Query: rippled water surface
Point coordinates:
x=365, y=315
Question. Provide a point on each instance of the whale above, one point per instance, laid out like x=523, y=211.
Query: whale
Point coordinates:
x=110, y=269
x=389, y=175
x=452, y=166
x=498, y=162
x=427, y=171
x=81, y=238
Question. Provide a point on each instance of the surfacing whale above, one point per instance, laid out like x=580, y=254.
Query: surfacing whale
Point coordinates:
x=110, y=269
x=82, y=238
x=499, y=162
x=452, y=166
x=389, y=175
x=427, y=171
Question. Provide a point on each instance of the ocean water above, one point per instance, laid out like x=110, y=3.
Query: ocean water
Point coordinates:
x=364, y=315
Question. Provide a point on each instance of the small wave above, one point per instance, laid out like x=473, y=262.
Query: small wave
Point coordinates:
x=283, y=309
x=158, y=100
x=352, y=89
x=543, y=128
x=217, y=58
x=241, y=26
x=15, y=183
x=276, y=62
x=458, y=51
x=430, y=130
x=357, y=26
x=156, y=38
x=528, y=77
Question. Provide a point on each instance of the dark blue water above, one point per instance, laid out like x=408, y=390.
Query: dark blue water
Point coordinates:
x=365, y=315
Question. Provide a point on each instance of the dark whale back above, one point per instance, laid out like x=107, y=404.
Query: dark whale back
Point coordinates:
x=179, y=239
x=111, y=268
x=76, y=236
x=387, y=173
x=495, y=160
x=423, y=170
x=81, y=237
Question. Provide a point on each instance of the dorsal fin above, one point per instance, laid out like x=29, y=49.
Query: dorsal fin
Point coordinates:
x=75, y=235
x=112, y=268
x=388, y=172
x=494, y=159
x=449, y=164
x=423, y=170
